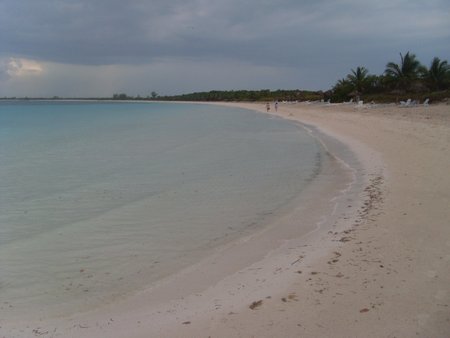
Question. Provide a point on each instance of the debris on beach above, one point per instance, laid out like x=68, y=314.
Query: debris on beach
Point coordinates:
x=255, y=304
x=345, y=239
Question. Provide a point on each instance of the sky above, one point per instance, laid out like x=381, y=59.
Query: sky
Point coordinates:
x=96, y=48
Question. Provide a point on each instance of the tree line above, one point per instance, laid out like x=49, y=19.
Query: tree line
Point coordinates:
x=247, y=95
x=232, y=95
x=408, y=78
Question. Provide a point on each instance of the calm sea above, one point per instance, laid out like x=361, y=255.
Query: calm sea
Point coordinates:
x=99, y=199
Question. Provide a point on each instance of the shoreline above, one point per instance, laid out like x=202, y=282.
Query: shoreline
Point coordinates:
x=370, y=274
x=222, y=271
x=390, y=279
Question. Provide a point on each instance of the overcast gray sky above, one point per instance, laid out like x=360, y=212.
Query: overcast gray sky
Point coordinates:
x=101, y=47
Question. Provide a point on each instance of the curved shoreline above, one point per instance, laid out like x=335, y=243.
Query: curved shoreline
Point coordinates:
x=226, y=279
x=371, y=275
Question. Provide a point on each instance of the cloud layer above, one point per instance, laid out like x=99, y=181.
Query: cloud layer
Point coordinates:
x=309, y=44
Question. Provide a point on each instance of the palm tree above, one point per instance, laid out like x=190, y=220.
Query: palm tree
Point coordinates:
x=405, y=73
x=438, y=75
x=359, y=79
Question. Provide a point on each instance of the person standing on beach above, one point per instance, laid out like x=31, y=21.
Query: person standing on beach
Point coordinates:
x=276, y=106
x=267, y=106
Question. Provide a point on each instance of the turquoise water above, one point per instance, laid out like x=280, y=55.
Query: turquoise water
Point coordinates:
x=100, y=199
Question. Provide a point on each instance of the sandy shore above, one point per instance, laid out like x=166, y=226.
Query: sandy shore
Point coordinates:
x=390, y=277
x=376, y=262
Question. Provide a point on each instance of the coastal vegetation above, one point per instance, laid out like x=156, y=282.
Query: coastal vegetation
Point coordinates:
x=406, y=79
x=248, y=95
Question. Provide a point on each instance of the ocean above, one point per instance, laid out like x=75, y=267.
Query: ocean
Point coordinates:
x=100, y=199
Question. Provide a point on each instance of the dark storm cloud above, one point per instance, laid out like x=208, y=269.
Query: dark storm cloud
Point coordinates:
x=99, y=32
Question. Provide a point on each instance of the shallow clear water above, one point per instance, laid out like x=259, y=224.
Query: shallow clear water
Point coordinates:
x=100, y=199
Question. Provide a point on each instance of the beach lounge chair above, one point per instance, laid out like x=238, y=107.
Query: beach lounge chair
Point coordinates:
x=426, y=103
x=406, y=103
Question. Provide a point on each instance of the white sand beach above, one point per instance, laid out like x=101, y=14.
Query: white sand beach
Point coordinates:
x=389, y=274
x=376, y=262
